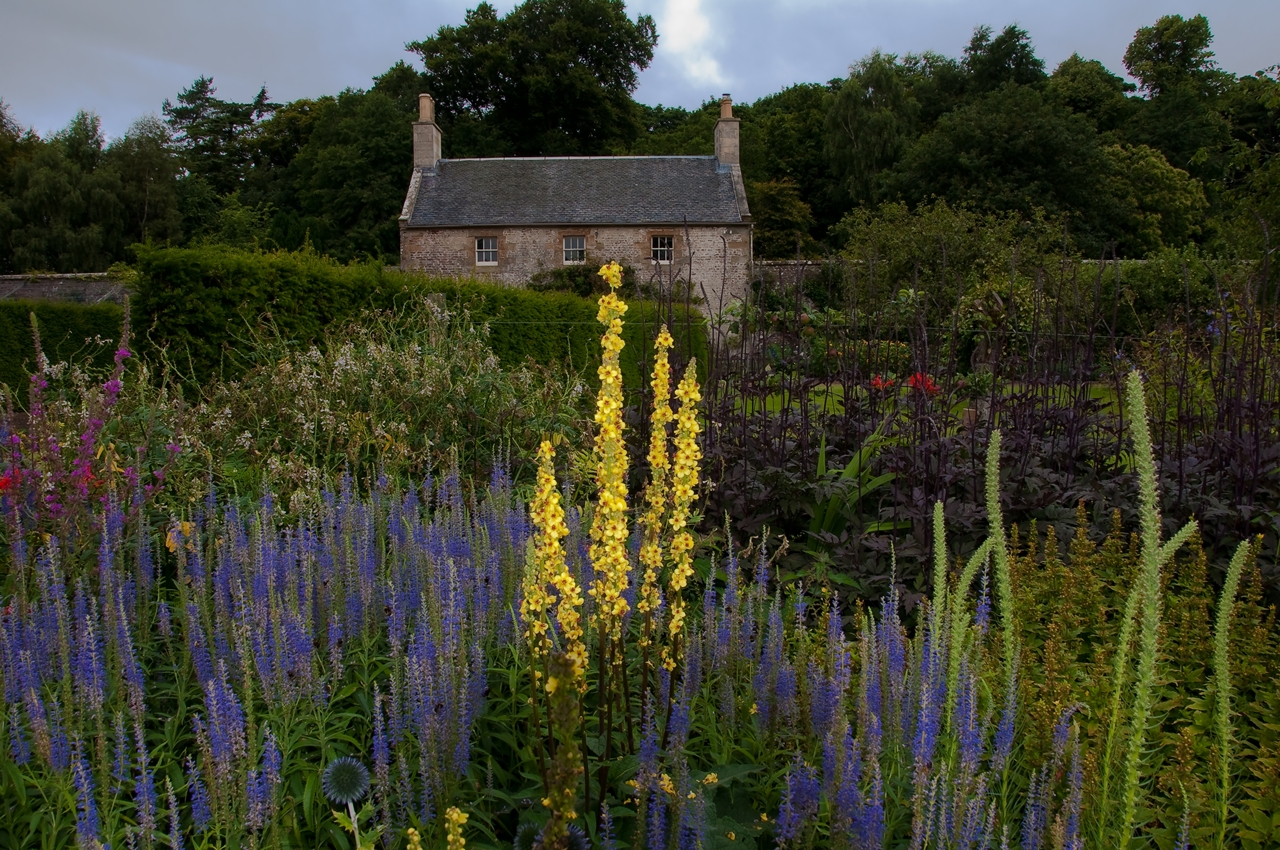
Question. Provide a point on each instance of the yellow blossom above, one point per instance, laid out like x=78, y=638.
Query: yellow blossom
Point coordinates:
x=659, y=464
x=666, y=785
x=454, y=819
x=684, y=481
x=180, y=531
x=731, y=836
x=415, y=840
x=609, y=533
x=710, y=779
x=549, y=568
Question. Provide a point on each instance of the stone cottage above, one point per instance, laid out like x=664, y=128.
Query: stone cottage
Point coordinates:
x=505, y=219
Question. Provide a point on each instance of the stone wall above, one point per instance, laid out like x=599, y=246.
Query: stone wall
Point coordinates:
x=85, y=288
x=721, y=254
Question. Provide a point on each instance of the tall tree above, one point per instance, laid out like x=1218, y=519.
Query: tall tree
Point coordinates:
x=1009, y=150
x=551, y=76
x=215, y=138
x=1007, y=58
x=65, y=204
x=148, y=181
x=1086, y=87
x=869, y=124
x=1174, y=53
x=1182, y=82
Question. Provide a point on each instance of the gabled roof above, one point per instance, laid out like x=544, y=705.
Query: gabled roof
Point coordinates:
x=636, y=190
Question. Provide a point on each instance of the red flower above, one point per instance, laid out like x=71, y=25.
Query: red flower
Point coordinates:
x=9, y=479
x=921, y=381
x=881, y=384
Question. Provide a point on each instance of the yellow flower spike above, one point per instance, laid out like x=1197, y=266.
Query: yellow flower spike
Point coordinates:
x=659, y=465
x=549, y=568
x=609, y=534
x=684, y=481
x=454, y=820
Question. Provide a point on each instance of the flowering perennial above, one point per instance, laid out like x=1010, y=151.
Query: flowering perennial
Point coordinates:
x=549, y=567
x=454, y=820
x=656, y=495
x=684, y=480
x=608, y=551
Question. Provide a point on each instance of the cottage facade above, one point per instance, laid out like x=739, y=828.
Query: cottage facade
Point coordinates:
x=506, y=219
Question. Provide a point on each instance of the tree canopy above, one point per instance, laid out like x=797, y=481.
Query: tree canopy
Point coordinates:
x=1186, y=156
x=550, y=76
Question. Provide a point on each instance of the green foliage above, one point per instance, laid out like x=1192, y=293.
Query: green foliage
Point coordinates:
x=342, y=188
x=67, y=332
x=197, y=307
x=581, y=279
x=1087, y=87
x=1007, y=58
x=870, y=123
x=401, y=392
x=782, y=219
x=1172, y=54
x=550, y=76
x=215, y=138
x=1155, y=204
x=1009, y=150
x=195, y=304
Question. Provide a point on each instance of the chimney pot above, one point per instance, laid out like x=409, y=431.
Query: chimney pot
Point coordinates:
x=727, y=143
x=426, y=135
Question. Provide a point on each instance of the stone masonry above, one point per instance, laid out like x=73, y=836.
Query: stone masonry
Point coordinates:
x=526, y=211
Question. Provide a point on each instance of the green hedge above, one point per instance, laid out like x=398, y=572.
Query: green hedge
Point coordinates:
x=201, y=306
x=66, y=330
x=555, y=327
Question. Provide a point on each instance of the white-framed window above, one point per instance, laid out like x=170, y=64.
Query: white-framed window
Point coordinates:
x=664, y=248
x=575, y=250
x=486, y=250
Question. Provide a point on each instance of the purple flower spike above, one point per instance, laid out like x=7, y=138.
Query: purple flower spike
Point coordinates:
x=799, y=801
x=1004, y=731
x=86, y=806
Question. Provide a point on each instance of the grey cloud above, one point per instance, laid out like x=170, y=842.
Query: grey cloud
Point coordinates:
x=122, y=59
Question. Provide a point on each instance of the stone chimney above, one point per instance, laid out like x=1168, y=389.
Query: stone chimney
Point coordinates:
x=426, y=135
x=728, y=148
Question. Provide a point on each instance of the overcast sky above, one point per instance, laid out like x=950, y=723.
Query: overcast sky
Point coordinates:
x=122, y=58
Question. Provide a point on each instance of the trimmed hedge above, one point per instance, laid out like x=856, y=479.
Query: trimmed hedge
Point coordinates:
x=557, y=327
x=66, y=330
x=200, y=307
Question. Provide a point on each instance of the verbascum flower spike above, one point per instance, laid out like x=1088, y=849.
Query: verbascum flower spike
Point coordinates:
x=536, y=599
x=684, y=481
x=608, y=552
x=566, y=764
x=454, y=819
x=550, y=566
x=659, y=466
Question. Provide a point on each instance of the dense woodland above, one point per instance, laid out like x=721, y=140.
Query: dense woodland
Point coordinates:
x=1183, y=157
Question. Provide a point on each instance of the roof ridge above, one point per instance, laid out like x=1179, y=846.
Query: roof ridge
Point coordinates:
x=544, y=158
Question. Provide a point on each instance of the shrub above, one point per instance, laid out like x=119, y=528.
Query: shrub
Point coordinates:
x=66, y=330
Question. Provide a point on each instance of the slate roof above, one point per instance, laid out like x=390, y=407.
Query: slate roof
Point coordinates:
x=575, y=190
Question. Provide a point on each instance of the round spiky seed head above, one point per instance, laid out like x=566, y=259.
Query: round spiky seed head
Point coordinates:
x=526, y=836
x=345, y=780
